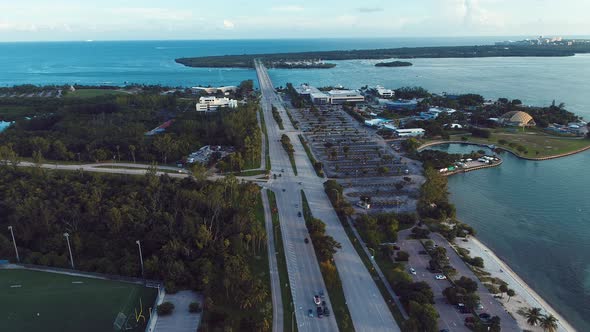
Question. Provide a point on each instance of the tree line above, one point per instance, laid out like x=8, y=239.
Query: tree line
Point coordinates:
x=115, y=127
x=194, y=234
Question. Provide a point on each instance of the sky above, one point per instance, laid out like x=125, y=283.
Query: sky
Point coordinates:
x=59, y=20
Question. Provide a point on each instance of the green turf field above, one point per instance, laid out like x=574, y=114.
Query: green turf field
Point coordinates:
x=56, y=302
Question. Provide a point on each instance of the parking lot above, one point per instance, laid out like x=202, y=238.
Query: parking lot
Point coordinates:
x=450, y=316
x=360, y=160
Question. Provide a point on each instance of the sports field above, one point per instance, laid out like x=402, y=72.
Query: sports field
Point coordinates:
x=33, y=301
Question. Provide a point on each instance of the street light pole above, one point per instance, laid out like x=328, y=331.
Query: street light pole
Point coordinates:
x=67, y=235
x=14, y=242
x=140, y=257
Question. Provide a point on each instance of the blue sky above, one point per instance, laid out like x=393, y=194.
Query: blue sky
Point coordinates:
x=224, y=19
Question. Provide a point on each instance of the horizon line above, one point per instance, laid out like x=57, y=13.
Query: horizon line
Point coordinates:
x=276, y=38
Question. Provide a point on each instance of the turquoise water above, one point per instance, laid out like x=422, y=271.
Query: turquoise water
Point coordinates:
x=536, y=217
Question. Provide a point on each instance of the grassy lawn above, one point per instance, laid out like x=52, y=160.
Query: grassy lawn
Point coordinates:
x=251, y=173
x=335, y=290
x=91, y=93
x=282, y=267
x=56, y=302
x=535, y=143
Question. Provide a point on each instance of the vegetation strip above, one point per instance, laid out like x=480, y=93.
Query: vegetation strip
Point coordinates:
x=293, y=121
x=277, y=116
x=341, y=208
x=282, y=267
x=317, y=166
x=266, y=143
x=286, y=141
x=325, y=247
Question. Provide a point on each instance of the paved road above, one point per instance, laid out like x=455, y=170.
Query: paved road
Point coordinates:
x=275, y=282
x=367, y=307
x=304, y=272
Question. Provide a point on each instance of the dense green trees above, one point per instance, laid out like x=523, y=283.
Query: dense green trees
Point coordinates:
x=434, y=201
x=114, y=127
x=377, y=229
x=198, y=235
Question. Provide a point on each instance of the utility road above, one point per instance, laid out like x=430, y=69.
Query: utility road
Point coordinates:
x=367, y=307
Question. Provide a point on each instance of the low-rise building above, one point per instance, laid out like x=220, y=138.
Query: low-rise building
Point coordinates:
x=434, y=112
x=410, y=132
x=209, y=104
x=345, y=96
x=400, y=105
x=385, y=93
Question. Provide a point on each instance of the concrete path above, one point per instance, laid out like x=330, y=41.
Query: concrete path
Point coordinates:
x=181, y=320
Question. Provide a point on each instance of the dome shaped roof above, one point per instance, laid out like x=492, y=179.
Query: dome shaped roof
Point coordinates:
x=518, y=117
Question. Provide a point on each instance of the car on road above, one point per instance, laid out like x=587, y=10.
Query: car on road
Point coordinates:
x=284, y=189
x=299, y=214
x=479, y=306
x=413, y=271
x=317, y=300
x=485, y=316
x=440, y=277
x=321, y=294
x=320, y=312
x=422, y=252
x=326, y=312
x=310, y=313
x=306, y=240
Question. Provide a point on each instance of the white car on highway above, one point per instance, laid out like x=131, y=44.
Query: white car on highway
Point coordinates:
x=412, y=271
x=440, y=277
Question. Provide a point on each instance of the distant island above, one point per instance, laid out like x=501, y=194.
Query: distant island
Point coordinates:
x=316, y=59
x=394, y=64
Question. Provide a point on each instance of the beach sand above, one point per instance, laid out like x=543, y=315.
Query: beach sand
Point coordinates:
x=525, y=296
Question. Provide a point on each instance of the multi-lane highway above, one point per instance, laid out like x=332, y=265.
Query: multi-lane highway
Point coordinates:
x=367, y=307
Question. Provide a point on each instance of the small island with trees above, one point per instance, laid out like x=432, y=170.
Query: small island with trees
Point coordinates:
x=394, y=64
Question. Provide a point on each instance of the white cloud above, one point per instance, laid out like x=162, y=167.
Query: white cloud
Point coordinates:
x=229, y=25
x=159, y=14
x=288, y=8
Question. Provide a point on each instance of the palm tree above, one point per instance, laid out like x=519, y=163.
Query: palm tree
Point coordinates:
x=549, y=323
x=533, y=316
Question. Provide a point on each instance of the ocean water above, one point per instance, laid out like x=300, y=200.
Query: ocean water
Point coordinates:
x=535, y=215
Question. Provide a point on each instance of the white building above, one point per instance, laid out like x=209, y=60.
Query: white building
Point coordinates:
x=208, y=104
x=410, y=132
x=385, y=93
x=345, y=96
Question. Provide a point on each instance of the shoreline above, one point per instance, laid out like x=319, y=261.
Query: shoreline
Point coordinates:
x=561, y=155
x=493, y=264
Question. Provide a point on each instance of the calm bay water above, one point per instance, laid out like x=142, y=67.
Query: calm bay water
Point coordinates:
x=536, y=217
x=532, y=214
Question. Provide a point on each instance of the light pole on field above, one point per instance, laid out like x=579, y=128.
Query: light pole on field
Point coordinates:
x=140, y=257
x=67, y=235
x=14, y=242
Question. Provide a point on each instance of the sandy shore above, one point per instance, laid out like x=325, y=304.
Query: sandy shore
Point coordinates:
x=525, y=295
